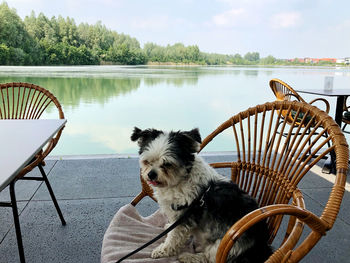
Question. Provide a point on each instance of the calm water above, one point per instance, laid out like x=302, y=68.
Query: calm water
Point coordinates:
x=104, y=103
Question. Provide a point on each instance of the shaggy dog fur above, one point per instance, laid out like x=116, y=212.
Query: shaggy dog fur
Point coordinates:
x=170, y=164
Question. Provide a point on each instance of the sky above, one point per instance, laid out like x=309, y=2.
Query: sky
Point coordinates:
x=281, y=28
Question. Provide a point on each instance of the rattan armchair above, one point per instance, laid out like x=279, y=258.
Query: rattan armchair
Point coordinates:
x=29, y=101
x=270, y=171
x=283, y=91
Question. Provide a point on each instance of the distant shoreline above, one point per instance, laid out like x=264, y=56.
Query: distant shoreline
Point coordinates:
x=241, y=65
x=173, y=64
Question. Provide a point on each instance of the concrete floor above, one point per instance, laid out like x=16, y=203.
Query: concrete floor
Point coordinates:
x=90, y=191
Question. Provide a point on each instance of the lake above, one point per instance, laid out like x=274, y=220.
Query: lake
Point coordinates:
x=103, y=103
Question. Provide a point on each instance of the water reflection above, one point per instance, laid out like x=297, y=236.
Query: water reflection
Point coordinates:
x=93, y=87
x=73, y=91
x=104, y=103
x=253, y=73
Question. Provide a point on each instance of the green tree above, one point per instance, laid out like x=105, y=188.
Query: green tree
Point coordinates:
x=23, y=49
x=4, y=54
x=237, y=59
x=269, y=60
x=12, y=31
x=252, y=56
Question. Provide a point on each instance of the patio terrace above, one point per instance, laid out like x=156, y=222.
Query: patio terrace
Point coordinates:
x=90, y=190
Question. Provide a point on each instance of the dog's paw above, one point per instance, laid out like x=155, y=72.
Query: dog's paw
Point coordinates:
x=163, y=251
x=192, y=258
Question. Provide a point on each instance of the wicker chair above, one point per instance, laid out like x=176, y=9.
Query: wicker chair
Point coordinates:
x=283, y=91
x=270, y=172
x=29, y=101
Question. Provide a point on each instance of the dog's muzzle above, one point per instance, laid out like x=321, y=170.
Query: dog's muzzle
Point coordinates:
x=152, y=175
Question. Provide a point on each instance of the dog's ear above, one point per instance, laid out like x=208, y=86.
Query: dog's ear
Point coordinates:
x=136, y=134
x=144, y=137
x=189, y=140
x=195, y=135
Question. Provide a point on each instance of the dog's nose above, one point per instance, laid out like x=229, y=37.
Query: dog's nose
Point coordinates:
x=152, y=175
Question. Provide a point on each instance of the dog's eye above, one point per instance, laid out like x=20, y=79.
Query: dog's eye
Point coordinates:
x=166, y=165
x=145, y=162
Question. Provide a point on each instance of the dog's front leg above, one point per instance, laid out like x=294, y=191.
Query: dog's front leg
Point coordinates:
x=175, y=240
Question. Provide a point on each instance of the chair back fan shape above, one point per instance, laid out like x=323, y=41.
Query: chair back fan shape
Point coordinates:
x=28, y=101
x=25, y=101
x=283, y=91
x=269, y=166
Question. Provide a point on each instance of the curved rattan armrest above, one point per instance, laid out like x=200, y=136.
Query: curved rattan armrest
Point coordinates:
x=145, y=191
x=325, y=102
x=314, y=222
x=224, y=165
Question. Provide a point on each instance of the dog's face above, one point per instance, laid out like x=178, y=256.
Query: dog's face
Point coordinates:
x=166, y=158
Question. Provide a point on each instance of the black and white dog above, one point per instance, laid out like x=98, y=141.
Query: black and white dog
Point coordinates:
x=170, y=164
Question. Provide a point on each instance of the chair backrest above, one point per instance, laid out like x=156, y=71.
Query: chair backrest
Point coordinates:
x=270, y=165
x=283, y=91
x=28, y=101
x=25, y=101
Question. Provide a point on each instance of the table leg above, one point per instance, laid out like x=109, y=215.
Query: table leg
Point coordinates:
x=330, y=163
x=339, y=110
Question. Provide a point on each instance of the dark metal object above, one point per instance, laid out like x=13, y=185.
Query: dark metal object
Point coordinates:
x=13, y=204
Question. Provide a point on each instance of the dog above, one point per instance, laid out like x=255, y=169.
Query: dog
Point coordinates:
x=179, y=177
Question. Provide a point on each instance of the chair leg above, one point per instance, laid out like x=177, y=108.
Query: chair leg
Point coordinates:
x=16, y=222
x=52, y=194
x=309, y=131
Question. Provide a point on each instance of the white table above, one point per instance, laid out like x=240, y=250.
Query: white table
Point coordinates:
x=341, y=95
x=20, y=141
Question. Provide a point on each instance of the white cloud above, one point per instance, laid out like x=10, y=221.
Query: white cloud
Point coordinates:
x=343, y=26
x=229, y=18
x=286, y=20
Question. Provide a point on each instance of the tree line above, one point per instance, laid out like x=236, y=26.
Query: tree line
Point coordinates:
x=39, y=40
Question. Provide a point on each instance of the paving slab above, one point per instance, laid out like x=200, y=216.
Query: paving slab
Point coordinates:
x=102, y=178
x=46, y=240
x=90, y=191
x=332, y=247
x=6, y=219
x=25, y=189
